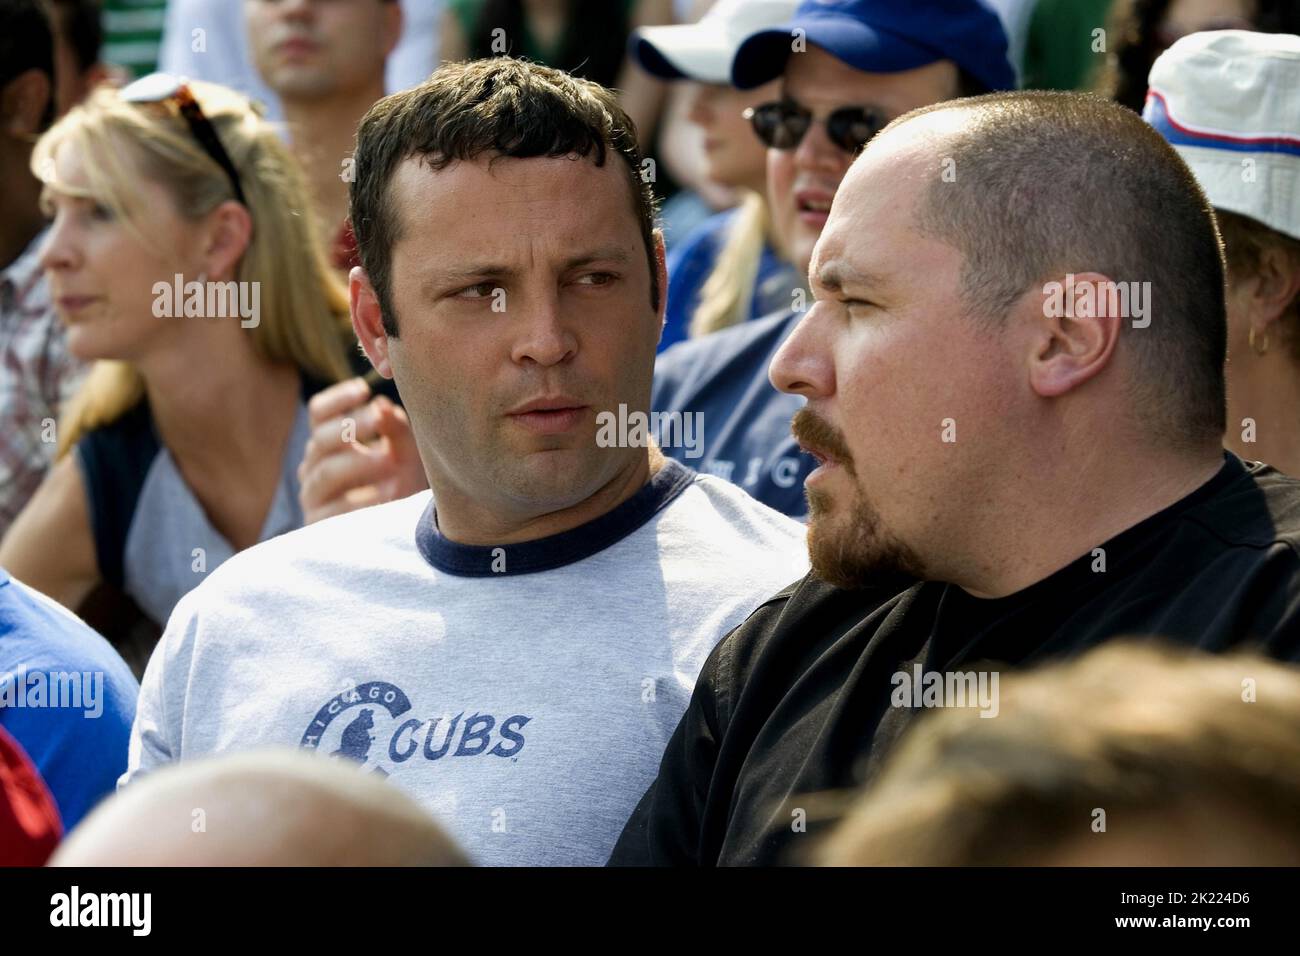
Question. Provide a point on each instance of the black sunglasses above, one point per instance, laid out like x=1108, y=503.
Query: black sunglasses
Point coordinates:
x=783, y=125
x=165, y=88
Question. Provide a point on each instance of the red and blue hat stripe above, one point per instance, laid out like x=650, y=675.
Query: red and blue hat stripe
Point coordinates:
x=1181, y=134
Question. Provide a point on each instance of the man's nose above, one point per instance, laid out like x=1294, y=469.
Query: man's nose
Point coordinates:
x=802, y=365
x=545, y=337
x=297, y=9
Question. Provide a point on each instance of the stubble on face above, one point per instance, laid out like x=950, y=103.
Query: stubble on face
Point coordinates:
x=849, y=545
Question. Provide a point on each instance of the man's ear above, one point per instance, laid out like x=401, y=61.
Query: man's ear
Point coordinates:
x=23, y=104
x=368, y=320
x=661, y=274
x=1074, y=331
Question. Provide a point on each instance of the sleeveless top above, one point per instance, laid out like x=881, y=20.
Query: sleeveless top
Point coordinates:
x=153, y=540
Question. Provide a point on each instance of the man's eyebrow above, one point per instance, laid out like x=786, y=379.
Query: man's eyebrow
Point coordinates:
x=486, y=270
x=834, y=276
x=615, y=254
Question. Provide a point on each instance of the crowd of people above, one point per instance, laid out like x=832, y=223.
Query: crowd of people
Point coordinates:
x=552, y=432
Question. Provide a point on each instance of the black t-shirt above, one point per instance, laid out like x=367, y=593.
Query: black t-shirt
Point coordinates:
x=796, y=701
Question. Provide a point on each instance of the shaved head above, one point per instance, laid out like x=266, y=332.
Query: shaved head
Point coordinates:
x=1030, y=186
x=269, y=808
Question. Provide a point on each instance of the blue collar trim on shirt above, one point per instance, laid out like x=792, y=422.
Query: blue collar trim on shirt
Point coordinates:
x=567, y=547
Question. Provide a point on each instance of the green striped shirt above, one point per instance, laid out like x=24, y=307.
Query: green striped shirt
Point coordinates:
x=133, y=33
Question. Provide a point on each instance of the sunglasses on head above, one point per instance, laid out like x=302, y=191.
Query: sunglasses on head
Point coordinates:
x=173, y=90
x=783, y=125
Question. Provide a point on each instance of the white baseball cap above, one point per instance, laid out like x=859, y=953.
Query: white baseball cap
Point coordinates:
x=1229, y=102
x=703, y=51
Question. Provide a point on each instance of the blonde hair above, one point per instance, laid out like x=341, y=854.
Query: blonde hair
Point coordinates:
x=305, y=303
x=728, y=294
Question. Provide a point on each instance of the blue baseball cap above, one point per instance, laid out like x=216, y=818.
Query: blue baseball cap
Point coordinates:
x=884, y=36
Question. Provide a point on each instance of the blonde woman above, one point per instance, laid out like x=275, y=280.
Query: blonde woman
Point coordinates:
x=182, y=258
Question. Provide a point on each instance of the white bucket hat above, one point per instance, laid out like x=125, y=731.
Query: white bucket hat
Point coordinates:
x=1229, y=102
x=703, y=51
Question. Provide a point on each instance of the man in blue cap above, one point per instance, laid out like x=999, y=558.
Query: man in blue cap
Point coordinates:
x=848, y=67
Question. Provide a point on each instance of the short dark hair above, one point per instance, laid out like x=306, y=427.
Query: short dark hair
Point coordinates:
x=26, y=43
x=1068, y=182
x=499, y=106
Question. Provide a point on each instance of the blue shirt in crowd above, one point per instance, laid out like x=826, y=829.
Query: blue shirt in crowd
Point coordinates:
x=66, y=696
x=744, y=420
x=690, y=263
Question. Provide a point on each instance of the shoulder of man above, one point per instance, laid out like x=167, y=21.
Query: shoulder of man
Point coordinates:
x=683, y=816
x=59, y=640
x=1256, y=521
x=79, y=739
x=345, y=542
x=735, y=507
x=739, y=541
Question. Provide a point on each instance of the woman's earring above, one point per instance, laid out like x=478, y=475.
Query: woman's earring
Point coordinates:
x=1259, y=348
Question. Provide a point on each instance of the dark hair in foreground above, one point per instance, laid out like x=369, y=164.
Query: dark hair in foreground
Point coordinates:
x=1050, y=183
x=1164, y=739
x=499, y=107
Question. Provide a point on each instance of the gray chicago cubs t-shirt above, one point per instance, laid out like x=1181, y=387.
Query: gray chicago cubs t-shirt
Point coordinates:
x=524, y=694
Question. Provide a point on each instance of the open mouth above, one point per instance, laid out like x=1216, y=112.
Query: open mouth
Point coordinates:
x=822, y=458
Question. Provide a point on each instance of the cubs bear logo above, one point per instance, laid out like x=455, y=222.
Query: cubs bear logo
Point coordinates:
x=381, y=704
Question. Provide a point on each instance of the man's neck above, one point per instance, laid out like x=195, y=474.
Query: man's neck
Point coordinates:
x=1066, y=513
x=1266, y=390
x=473, y=523
x=322, y=133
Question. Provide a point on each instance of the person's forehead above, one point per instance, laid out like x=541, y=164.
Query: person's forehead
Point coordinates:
x=817, y=78
x=508, y=212
x=573, y=187
x=64, y=171
x=908, y=153
x=892, y=169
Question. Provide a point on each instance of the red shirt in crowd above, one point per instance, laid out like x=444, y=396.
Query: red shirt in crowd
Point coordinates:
x=29, y=820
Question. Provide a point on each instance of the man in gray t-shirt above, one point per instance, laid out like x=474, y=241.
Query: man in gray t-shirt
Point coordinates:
x=515, y=646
